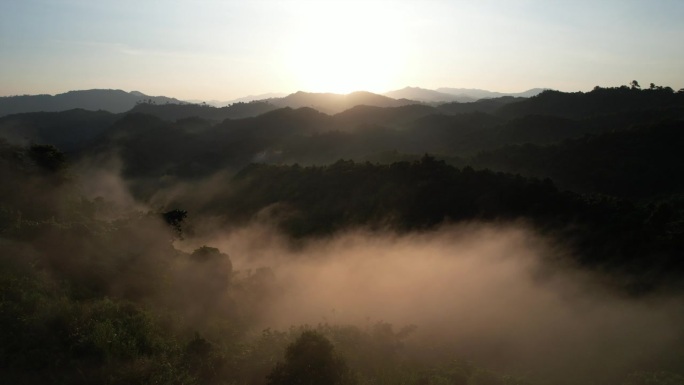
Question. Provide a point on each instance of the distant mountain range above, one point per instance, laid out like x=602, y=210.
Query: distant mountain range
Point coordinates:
x=252, y=98
x=461, y=95
x=99, y=99
x=118, y=101
x=244, y=99
x=427, y=96
x=192, y=141
x=484, y=94
x=333, y=103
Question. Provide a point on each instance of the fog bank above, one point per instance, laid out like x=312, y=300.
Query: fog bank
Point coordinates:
x=481, y=292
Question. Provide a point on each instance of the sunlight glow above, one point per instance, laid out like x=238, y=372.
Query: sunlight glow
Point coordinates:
x=344, y=47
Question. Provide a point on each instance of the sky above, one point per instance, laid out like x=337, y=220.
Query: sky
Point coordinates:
x=222, y=50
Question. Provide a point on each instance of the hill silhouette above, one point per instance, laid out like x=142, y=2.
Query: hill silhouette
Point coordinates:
x=117, y=101
x=333, y=103
x=97, y=99
x=460, y=95
x=257, y=131
x=174, y=112
x=484, y=94
x=395, y=117
x=599, y=101
x=68, y=130
x=482, y=105
x=635, y=163
x=428, y=96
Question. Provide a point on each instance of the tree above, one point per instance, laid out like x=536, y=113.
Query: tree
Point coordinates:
x=174, y=219
x=635, y=85
x=48, y=157
x=310, y=360
x=206, y=253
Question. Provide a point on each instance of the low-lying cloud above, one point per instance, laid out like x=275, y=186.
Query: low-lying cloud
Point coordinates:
x=482, y=292
x=495, y=294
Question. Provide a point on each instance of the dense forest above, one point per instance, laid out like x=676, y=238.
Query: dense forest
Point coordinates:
x=502, y=241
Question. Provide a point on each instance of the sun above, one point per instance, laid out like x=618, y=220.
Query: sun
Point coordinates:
x=345, y=47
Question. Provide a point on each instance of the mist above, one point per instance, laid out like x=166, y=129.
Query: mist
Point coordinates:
x=499, y=294
x=488, y=293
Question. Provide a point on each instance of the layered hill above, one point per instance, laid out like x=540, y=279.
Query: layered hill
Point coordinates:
x=115, y=101
x=333, y=103
x=461, y=95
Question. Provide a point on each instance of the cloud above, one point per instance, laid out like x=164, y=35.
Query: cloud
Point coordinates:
x=488, y=293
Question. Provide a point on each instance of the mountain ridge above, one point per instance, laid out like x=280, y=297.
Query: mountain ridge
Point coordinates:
x=332, y=103
x=427, y=95
x=485, y=94
x=112, y=100
x=118, y=101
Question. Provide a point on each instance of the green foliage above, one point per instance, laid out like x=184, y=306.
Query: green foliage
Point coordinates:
x=48, y=157
x=109, y=330
x=404, y=195
x=47, y=336
x=310, y=360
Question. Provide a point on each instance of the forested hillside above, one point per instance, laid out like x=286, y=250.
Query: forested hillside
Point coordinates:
x=504, y=241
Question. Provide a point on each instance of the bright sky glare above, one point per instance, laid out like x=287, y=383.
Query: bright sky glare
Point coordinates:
x=221, y=50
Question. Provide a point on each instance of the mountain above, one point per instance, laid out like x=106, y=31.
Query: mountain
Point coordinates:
x=330, y=103
x=450, y=95
x=639, y=163
x=600, y=101
x=251, y=98
x=427, y=96
x=68, y=130
x=391, y=117
x=149, y=146
x=476, y=94
x=173, y=112
x=489, y=105
x=115, y=101
x=244, y=99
